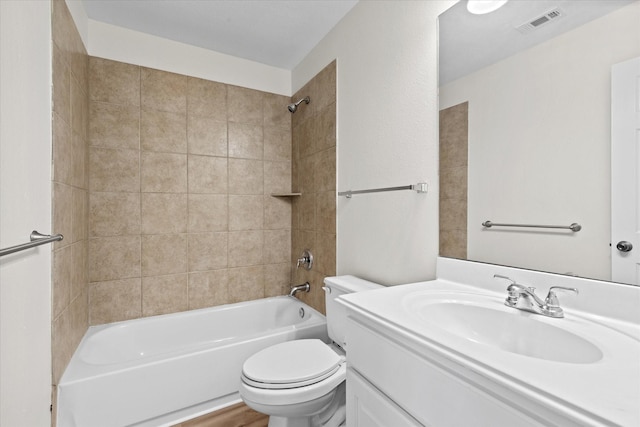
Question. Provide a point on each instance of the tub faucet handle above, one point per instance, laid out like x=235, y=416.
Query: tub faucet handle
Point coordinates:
x=306, y=260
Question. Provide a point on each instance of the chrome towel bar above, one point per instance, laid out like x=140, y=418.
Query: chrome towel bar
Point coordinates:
x=573, y=227
x=37, y=239
x=420, y=187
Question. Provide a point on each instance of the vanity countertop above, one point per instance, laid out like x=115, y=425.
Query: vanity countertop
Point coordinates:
x=602, y=391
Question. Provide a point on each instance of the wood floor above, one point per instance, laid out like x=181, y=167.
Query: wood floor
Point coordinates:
x=239, y=415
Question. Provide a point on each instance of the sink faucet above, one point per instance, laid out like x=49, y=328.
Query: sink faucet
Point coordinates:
x=305, y=287
x=525, y=298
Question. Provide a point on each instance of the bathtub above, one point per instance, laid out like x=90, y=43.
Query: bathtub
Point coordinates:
x=161, y=370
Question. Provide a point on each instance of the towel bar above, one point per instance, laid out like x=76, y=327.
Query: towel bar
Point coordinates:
x=37, y=239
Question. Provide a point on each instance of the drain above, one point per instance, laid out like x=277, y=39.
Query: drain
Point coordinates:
x=301, y=312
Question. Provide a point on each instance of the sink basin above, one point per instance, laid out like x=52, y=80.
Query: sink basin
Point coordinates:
x=486, y=321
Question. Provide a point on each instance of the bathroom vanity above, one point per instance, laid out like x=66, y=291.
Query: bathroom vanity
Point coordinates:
x=449, y=352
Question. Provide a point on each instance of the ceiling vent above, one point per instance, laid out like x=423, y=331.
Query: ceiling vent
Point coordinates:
x=540, y=21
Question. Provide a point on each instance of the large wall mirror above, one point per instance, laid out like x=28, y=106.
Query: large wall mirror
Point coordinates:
x=525, y=125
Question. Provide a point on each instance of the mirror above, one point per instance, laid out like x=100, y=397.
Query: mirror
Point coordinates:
x=525, y=131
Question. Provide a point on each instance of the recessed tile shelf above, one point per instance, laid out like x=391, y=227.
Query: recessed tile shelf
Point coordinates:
x=286, y=194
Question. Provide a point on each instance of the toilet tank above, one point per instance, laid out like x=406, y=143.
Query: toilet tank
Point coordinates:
x=336, y=313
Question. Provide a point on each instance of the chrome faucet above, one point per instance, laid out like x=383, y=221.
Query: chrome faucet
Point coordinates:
x=525, y=298
x=305, y=287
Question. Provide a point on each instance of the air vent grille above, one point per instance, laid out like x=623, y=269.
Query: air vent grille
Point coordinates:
x=539, y=21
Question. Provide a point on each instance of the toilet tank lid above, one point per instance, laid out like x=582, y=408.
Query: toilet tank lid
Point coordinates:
x=350, y=283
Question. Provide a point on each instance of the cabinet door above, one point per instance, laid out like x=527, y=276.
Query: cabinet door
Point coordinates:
x=369, y=407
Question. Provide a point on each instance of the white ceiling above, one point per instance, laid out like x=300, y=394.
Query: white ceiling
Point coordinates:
x=279, y=33
x=470, y=42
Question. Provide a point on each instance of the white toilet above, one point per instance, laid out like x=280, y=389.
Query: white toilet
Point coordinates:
x=301, y=383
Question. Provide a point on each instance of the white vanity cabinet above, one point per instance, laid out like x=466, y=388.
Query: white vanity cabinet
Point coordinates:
x=369, y=407
x=391, y=384
x=445, y=353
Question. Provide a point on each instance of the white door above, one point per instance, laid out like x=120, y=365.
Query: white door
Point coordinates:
x=625, y=172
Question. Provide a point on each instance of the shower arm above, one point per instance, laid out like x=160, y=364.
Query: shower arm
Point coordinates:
x=293, y=107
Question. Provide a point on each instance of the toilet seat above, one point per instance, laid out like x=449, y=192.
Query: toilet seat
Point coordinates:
x=293, y=396
x=291, y=364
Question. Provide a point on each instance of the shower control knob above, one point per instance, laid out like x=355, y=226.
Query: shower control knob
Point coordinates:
x=306, y=260
x=624, y=246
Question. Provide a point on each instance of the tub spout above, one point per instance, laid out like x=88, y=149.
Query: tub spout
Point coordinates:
x=304, y=287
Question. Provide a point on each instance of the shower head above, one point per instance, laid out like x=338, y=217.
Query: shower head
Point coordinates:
x=293, y=107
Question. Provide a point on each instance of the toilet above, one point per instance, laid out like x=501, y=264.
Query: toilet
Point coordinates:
x=301, y=383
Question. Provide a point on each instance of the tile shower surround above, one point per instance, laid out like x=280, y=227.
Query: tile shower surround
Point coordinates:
x=158, y=172
x=180, y=212
x=314, y=175
x=453, y=127
x=70, y=124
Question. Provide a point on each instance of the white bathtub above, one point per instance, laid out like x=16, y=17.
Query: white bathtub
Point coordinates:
x=161, y=370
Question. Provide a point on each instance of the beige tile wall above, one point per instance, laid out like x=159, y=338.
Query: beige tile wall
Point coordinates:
x=181, y=172
x=453, y=180
x=314, y=175
x=162, y=183
x=70, y=183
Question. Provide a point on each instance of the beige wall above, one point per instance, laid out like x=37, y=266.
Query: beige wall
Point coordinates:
x=181, y=172
x=70, y=124
x=314, y=175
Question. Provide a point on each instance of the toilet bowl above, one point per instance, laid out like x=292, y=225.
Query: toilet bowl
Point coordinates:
x=278, y=381
x=301, y=383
